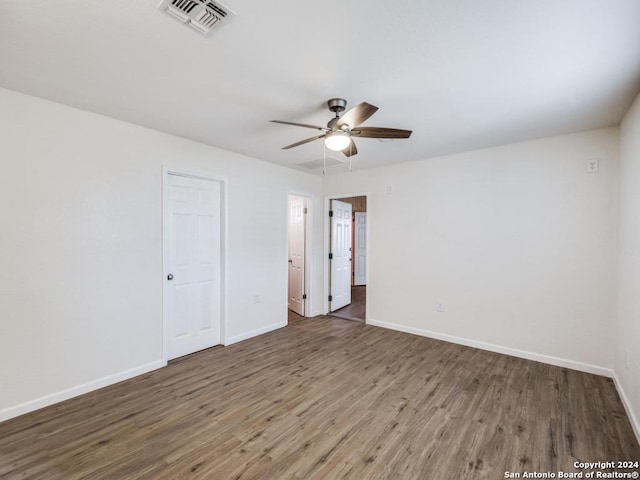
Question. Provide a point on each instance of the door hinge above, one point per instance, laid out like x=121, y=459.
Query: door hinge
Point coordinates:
x=305, y=211
x=330, y=298
x=331, y=256
x=331, y=213
x=304, y=296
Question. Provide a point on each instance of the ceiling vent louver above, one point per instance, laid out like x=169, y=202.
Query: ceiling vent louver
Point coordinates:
x=200, y=15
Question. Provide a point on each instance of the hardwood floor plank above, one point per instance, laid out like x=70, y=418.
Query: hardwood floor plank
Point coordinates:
x=326, y=398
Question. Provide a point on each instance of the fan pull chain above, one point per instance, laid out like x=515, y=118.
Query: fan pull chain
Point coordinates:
x=324, y=159
x=350, y=153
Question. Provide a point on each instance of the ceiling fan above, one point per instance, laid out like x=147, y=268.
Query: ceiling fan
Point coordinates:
x=340, y=130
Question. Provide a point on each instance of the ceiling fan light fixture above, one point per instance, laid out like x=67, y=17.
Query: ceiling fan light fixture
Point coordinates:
x=337, y=141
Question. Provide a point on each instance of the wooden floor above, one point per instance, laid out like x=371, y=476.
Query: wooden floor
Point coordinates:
x=356, y=309
x=327, y=398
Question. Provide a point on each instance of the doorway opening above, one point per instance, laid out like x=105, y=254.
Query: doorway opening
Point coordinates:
x=348, y=257
x=297, y=211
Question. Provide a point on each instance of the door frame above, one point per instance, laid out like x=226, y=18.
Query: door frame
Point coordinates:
x=307, y=250
x=224, y=304
x=327, y=247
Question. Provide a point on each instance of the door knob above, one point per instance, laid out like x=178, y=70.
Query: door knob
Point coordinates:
x=170, y=276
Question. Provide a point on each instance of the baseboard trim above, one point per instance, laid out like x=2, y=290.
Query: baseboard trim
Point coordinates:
x=255, y=333
x=63, y=395
x=635, y=424
x=315, y=313
x=537, y=357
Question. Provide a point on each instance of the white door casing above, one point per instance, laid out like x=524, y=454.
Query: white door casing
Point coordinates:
x=193, y=264
x=297, y=215
x=340, y=279
x=360, y=249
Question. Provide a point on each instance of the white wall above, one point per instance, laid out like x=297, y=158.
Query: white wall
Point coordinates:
x=628, y=326
x=81, y=280
x=518, y=242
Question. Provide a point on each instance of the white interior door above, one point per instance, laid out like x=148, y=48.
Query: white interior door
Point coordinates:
x=340, y=258
x=193, y=264
x=297, y=212
x=360, y=247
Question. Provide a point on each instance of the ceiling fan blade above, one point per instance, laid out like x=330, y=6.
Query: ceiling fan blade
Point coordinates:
x=302, y=142
x=351, y=149
x=306, y=125
x=357, y=115
x=380, y=132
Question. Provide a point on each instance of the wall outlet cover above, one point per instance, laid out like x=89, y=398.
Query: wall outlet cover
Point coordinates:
x=626, y=359
x=593, y=165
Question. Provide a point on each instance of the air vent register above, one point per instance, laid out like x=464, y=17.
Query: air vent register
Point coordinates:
x=201, y=15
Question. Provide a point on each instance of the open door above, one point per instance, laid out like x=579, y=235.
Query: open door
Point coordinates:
x=340, y=255
x=360, y=249
x=297, y=214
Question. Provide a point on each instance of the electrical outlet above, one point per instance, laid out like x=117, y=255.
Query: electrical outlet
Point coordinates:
x=389, y=190
x=626, y=359
x=593, y=165
x=256, y=299
x=439, y=307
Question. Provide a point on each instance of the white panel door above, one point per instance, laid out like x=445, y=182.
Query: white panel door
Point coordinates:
x=360, y=249
x=193, y=265
x=340, y=255
x=296, y=254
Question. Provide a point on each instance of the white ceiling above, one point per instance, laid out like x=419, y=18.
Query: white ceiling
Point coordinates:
x=462, y=74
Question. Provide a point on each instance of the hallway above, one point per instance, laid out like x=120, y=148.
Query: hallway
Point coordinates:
x=356, y=310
